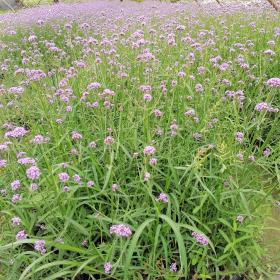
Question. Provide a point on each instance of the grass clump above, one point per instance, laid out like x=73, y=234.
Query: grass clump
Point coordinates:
x=138, y=144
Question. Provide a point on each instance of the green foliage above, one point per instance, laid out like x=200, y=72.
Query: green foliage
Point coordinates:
x=207, y=186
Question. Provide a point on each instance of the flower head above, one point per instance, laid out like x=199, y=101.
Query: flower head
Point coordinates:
x=200, y=238
x=15, y=185
x=63, y=177
x=149, y=150
x=16, y=221
x=39, y=246
x=21, y=235
x=120, y=230
x=33, y=173
x=163, y=198
x=173, y=267
x=273, y=82
x=239, y=137
x=109, y=140
x=240, y=218
x=107, y=267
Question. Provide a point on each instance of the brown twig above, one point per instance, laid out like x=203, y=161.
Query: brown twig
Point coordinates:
x=274, y=5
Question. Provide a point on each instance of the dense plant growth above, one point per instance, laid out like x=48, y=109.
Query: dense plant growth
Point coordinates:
x=138, y=141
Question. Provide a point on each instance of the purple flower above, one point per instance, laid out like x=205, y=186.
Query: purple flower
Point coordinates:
x=76, y=136
x=200, y=238
x=147, y=176
x=63, y=177
x=197, y=136
x=92, y=145
x=33, y=187
x=77, y=178
x=240, y=156
x=266, y=152
x=273, y=82
x=198, y=88
x=173, y=267
x=16, y=221
x=38, y=139
x=147, y=97
x=17, y=132
x=15, y=185
x=239, y=136
x=190, y=113
x=163, y=198
x=16, y=197
x=263, y=106
x=33, y=173
x=90, y=183
x=157, y=113
x=120, y=230
x=153, y=161
x=39, y=246
x=181, y=74
x=109, y=140
x=21, y=235
x=149, y=150
x=3, y=163
x=26, y=161
x=145, y=88
x=3, y=147
x=240, y=218
x=251, y=157
x=115, y=187
x=107, y=267
x=16, y=90
x=93, y=86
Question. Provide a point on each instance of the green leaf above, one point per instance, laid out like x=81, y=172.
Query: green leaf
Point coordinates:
x=133, y=245
x=180, y=240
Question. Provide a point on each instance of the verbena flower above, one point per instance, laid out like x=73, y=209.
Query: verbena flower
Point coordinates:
x=239, y=136
x=149, y=150
x=15, y=185
x=115, y=187
x=21, y=235
x=17, y=132
x=240, y=218
x=109, y=140
x=63, y=177
x=120, y=230
x=147, y=176
x=33, y=173
x=274, y=82
x=173, y=267
x=39, y=246
x=108, y=267
x=16, y=198
x=16, y=221
x=163, y=198
x=200, y=238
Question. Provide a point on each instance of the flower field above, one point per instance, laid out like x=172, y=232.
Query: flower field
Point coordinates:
x=138, y=141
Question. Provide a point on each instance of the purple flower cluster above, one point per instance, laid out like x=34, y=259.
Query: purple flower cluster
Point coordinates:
x=33, y=173
x=274, y=82
x=149, y=150
x=163, y=198
x=17, y=132
x=108, y=267
x=39, y=246
x=120, y=230
x=21, y=235
x=200, y=238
